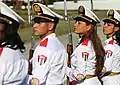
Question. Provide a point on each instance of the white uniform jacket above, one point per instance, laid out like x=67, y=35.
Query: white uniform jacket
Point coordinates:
x=13, y=67
x=112, y=59
x=83, y=62
x=49, y=62
x=112, y=63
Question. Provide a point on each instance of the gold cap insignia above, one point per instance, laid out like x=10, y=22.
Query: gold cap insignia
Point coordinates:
x=81, y=10
x=37, y=9
x=111, y=14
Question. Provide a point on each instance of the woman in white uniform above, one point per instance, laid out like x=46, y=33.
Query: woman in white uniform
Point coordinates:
x=13, y=65
x=111, y=29
x=88, y=58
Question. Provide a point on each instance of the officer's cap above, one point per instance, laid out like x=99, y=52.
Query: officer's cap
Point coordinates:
x=44, y=14
x=8, y=16
x=112, y=17
x=84, y=14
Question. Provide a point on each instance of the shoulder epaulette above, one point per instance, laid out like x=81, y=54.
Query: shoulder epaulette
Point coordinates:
x=85, y=42
x=44, y=42
x=111, y=42
x=1, y=49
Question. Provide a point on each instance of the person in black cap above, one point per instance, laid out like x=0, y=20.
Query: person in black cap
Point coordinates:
x=50, y=57
x=88, y=58
x=13, y=65
x=111, y=29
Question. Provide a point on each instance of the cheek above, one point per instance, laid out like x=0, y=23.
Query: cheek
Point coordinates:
x=108, y=29
x=2, y=27
x=81, y=29
x=42, y=29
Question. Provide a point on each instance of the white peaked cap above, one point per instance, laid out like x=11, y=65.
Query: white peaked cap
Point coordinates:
x=9, y=13
x=87, y=15
x=43, y=12
x=113, y=17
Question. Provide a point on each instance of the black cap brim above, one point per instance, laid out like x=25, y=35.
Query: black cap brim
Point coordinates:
x=45, y=18
x=85, y=19
x=7, y=20
x=110, y=21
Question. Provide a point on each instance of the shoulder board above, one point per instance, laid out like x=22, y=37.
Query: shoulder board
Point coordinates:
x=1, y=49
x=85, y=42
x=111, y=42
x=44, y=42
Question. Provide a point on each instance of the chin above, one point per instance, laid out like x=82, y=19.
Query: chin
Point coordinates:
x=76, y=32
x=105, y=33
x=36, y=34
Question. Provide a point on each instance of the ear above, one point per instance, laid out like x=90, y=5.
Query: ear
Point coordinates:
x=116, y=28
x=50, y=26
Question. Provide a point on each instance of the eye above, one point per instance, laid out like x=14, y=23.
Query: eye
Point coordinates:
x=79, y=22
x=109, y=24
x=76, y=21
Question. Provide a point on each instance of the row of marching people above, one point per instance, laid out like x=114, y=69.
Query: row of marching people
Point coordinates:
x=91, y=63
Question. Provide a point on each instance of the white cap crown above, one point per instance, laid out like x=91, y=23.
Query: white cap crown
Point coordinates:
x=44, y=12
x=5, y=10
x=87, y=15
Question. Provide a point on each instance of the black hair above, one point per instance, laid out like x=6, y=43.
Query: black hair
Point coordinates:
x=117, y=37
x=12, y=38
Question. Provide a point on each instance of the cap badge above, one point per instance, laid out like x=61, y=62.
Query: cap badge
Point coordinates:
x=34, y=81
x=111, y=13
x=81, y=10
x=37, y=9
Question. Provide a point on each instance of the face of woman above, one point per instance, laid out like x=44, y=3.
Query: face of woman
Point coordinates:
x=81, y=27
x=108, y=29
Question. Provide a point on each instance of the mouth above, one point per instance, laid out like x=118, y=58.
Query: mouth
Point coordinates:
x=74, y=28
x=35, y=30
x=104, y=30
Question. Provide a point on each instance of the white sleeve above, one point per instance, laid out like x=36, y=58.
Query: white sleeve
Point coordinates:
x=2, y=70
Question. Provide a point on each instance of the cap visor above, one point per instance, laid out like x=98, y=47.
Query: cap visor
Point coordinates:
x=81, y=18
x=109, y=21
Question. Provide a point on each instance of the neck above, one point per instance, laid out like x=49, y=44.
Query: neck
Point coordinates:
x=109, y=36
x=43, y=36
x=81, y=35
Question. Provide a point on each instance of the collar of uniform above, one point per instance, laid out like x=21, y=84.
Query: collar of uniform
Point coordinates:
x=85, y=42
x=48, y=36
x=108, y=40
